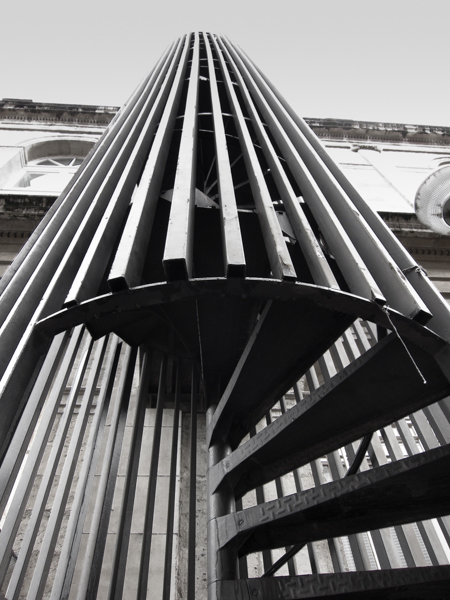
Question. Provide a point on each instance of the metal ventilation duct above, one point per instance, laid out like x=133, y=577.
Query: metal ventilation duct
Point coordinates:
x=432, y=201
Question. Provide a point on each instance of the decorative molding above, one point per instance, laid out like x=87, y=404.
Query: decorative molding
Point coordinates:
x=14, y=110
x=381, y=132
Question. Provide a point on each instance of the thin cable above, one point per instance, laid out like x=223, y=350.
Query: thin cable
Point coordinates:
x=385, y=310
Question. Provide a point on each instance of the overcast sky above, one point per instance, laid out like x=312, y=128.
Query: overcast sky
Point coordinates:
x=376, y=60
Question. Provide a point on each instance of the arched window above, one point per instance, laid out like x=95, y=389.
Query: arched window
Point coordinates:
x=46, y=165
x=49, y=174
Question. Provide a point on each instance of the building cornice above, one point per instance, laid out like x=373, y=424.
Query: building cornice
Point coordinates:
x=345, y=129
x=16, y=110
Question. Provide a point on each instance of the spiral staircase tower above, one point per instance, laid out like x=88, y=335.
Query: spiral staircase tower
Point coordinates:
x=209, y=242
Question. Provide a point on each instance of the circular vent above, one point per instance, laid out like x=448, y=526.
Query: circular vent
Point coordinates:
x=432, y=203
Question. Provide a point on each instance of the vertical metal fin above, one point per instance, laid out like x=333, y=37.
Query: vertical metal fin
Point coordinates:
x=234, y=259
x=279, y=258
x=130, y=255
x=178, y=250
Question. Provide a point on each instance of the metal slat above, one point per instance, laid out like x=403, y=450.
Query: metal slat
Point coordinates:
x=144, y=565
x=338, y=353
x=192, y=490
x=129, y=259
x=361, y=335
x=445, y=407
x=37, y=449
x=426, y=434
x=234, y=259
x=178, y=250
x=25, y=429
x=416, y=276
x=309, y=244
x=407, y=437
x=350, y=263
x=372, y=329
x=90, y=570
x=119, y=561
x=47, y=480
x=95, y=261
x=42, y=236
x=72, y=538
x=389, y=277
x=279, y=258
x=439, y=423
x=52, y=529
x=168, y=558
